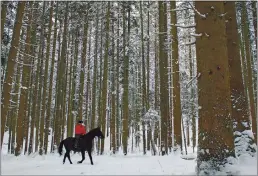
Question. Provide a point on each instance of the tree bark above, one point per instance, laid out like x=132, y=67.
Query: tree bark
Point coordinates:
x=144, y=94
x=163, y=63
x=125, y=117
x=176, y=83
x=10, y=66
x=105, y=80
x=22, y=113
x=3, y=16
x=249, y=74
x=240, y=110
x=215, y=133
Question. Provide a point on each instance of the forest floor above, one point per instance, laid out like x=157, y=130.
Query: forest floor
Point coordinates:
x=103, y=165
x=133, y=164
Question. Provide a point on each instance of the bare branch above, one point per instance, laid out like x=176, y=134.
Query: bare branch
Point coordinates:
x=184, y=26
x=203, y=16
x=195, y=35
x=189, y=43
x=179, y=9
x=195, y=77
x=29, y=65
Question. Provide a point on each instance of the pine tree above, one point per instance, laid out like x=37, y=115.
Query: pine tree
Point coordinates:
x=163, y=63
x=105, y=79
x=240, y=110
x=215, y=133
x=10, y=66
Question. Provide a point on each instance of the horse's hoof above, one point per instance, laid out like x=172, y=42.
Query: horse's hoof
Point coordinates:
x=79, y=162
x=91, y=163
x=71, y=163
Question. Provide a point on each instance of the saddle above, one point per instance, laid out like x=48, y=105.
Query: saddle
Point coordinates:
x=77, y=143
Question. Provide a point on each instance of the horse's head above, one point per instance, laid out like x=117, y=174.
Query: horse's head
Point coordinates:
x=97, y=132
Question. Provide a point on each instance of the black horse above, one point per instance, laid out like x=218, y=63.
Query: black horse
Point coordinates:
x=85, y=144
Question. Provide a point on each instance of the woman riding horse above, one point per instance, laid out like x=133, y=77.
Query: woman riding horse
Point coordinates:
x=80, y=130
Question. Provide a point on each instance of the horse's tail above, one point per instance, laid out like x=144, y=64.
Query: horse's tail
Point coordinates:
x=60, y=149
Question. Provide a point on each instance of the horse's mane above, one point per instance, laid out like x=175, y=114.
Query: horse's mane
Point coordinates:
x=92, y=131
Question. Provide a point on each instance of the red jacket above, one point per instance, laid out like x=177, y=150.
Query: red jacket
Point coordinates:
x=80, y=129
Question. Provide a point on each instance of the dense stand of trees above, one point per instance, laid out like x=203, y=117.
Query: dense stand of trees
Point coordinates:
x=146, y=72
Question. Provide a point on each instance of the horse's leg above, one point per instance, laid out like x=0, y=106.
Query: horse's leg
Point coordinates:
x=64, y=157
x=68, y=155
x=83, y=157
x=89, y=153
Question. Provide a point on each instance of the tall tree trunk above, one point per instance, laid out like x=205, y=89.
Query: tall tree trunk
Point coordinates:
x=163, y=63
x=254, y=6
x=30, y=119
x=63, y=76
x=10, y=65
x=100, y=77
x=22, y=113
x=113, y=97
x=117, y=85
x=105, y=80
x=176, y=84
x=34, y=88
x=156, y=86
x=249, y=77
x=149, y=130
x=40, y=121
x=88, y=90
x=60, y=82
x=69, y=122
x=15, y=113
x=125, y=78
x=144, y=95
x=56, y=117
x=3, y=16
x=95, y=69
x=193, y=124
x=95, y=75
x=44, y=131
x=49, y=103
x=73, y=96
x=19, y=135
x=64, y=109
x=240, y=111
x=215, y=121
x=83, y=62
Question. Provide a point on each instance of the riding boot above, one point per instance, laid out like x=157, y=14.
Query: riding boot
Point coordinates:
x=76, y=144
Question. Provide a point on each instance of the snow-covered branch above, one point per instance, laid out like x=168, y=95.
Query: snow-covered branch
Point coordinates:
x=201, y=15
x=184, y=26
x=179, y=9
x=195, y=35
x=190, y=43
x=197, y=76
x=21, y=41
x=29, y=65
x=223, y=14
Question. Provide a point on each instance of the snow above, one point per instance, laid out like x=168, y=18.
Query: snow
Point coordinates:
x=134, y=163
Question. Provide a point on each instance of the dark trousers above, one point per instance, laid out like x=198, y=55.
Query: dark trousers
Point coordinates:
x=77, y=138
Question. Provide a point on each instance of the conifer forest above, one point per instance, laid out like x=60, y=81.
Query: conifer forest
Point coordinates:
x=158, y=77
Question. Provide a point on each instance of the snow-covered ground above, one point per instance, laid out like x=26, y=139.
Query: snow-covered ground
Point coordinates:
x=133, y=164
x=103, y=165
